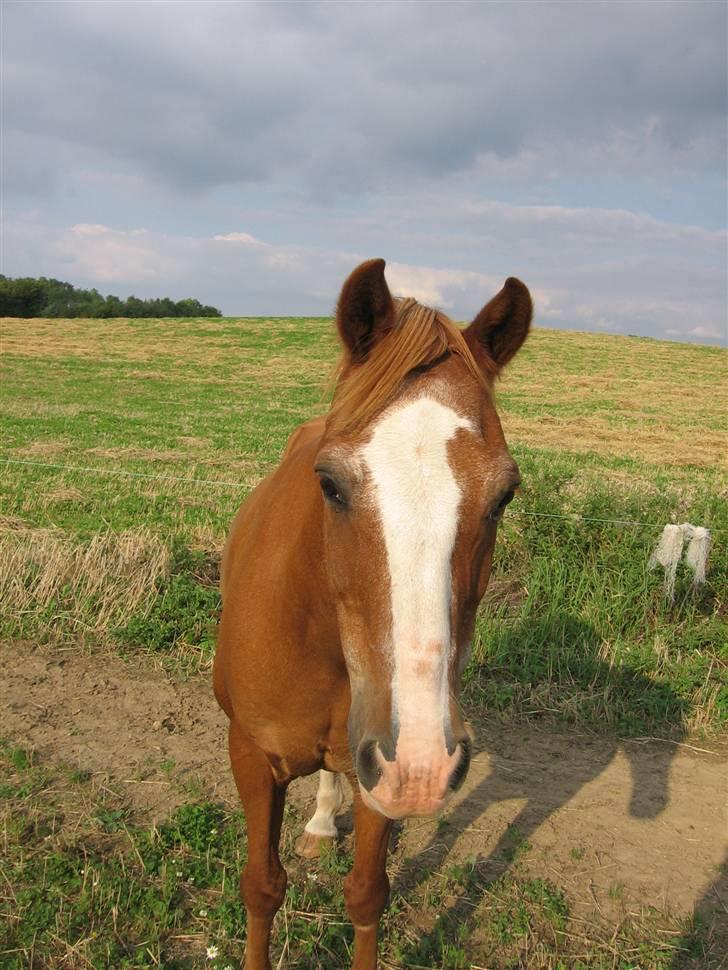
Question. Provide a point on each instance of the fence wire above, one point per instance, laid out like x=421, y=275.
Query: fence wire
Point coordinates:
x=574, y=517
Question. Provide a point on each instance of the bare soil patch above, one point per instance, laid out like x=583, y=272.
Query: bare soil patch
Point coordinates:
x=622, y=825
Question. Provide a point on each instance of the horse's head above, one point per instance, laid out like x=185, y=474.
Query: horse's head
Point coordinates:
x=415, y=474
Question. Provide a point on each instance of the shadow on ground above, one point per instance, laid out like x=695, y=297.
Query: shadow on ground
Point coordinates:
x=706, y=947
x=458, y=920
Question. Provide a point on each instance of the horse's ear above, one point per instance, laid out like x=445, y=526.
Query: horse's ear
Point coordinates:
x=502, y=325
x=365, y=311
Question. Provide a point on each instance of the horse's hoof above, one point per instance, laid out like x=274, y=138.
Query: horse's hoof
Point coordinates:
x=309, y=845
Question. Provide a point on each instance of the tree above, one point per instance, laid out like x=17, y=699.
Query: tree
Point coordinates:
x=27, y=297
x=21, y=297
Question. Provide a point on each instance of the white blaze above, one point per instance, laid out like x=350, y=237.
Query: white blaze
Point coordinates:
x=418, y=498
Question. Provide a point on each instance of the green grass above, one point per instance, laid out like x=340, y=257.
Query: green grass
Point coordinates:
x=86, y=884
x=102, y=892
x=574, y=627
x=584, y=630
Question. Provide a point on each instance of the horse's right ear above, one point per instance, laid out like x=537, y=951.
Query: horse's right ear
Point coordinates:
x=365, y=311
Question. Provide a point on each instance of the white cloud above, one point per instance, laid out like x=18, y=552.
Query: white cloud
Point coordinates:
x=435, y=287
x=90, y=229
x=605, y=284
x=102, y=255
x=239, y=237
x=708, y=333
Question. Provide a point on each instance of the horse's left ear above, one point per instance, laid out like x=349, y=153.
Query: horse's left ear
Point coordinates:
x=502, y=325
x=365, y=312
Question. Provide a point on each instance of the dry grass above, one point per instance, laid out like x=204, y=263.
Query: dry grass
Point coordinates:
x=144, y=341
x=96, y=585
x=649, y=400
x=247, y=471
x=98, y=339
x=45, y=449
x=661, y=403
x=62, y=493
x=130, y=453
x=41, y=409
x=656, y=444
x=205, y=539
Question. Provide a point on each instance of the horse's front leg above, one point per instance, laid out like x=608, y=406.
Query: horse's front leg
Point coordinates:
x=321, y=828
x=366, y=888
x=263, y=882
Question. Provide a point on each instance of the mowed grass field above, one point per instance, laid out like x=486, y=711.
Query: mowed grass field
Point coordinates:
x=127, y=446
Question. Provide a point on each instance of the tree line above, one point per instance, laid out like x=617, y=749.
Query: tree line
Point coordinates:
x=28, y=297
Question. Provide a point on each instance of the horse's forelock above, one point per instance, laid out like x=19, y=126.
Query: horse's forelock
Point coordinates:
x=420, y=337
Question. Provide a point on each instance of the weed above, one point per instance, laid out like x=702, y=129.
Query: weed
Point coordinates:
x=616, y=891
x=168, y=766
x=515, y=844
x=79, y=776
x=19, y=758
x=110, y=819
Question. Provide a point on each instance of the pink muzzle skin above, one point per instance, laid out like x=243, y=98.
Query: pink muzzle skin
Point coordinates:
x=416, y=785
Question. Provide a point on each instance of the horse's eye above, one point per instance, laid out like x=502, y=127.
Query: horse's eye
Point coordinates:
x=500, y=507
x=332, y=493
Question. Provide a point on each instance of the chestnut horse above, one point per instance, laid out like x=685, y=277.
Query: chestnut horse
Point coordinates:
x=350, y=582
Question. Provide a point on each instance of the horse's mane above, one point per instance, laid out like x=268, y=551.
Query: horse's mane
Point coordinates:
x=419, y=337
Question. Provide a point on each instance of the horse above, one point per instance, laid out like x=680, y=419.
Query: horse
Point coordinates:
x=350, y=581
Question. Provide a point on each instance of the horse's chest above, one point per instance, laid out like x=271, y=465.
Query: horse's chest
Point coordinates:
x=292, y=754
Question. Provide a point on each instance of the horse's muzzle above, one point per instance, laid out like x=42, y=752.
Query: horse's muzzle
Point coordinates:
x=414, y=783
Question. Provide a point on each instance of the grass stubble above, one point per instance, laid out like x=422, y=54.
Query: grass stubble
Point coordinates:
x=574, y=629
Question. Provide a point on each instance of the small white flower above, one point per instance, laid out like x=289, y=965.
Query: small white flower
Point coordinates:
x=203, y=912
x=212, y=952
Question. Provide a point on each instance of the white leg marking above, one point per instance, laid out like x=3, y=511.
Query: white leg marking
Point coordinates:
x=329, y=800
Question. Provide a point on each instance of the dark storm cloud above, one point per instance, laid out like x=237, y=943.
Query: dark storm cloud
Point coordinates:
x=356, y=97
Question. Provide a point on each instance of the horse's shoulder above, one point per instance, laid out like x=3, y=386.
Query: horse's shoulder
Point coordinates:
x=257, y=510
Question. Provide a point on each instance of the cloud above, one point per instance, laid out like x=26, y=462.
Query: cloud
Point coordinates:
x=267, y=148
x=92, y=229
x=244, y=277
x=435, y=287
x=706, y=333
x=239, y=237
x=681, y=293
x=350, y=98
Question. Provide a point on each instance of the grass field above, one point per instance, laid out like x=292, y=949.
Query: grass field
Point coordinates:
x=93, y=888
x=575, y=625
x=169, y=425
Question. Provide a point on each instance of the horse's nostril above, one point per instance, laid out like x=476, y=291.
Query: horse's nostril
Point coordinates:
x=458, y=776
x=367, y=768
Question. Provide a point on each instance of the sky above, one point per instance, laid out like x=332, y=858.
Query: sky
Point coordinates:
x=251, y=154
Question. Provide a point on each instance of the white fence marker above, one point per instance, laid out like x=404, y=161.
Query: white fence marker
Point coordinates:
x=669, y=552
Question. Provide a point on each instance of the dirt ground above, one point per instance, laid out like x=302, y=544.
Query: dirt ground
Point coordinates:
x=620, y=825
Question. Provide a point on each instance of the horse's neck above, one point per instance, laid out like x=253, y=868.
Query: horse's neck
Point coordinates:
x=301, y=531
